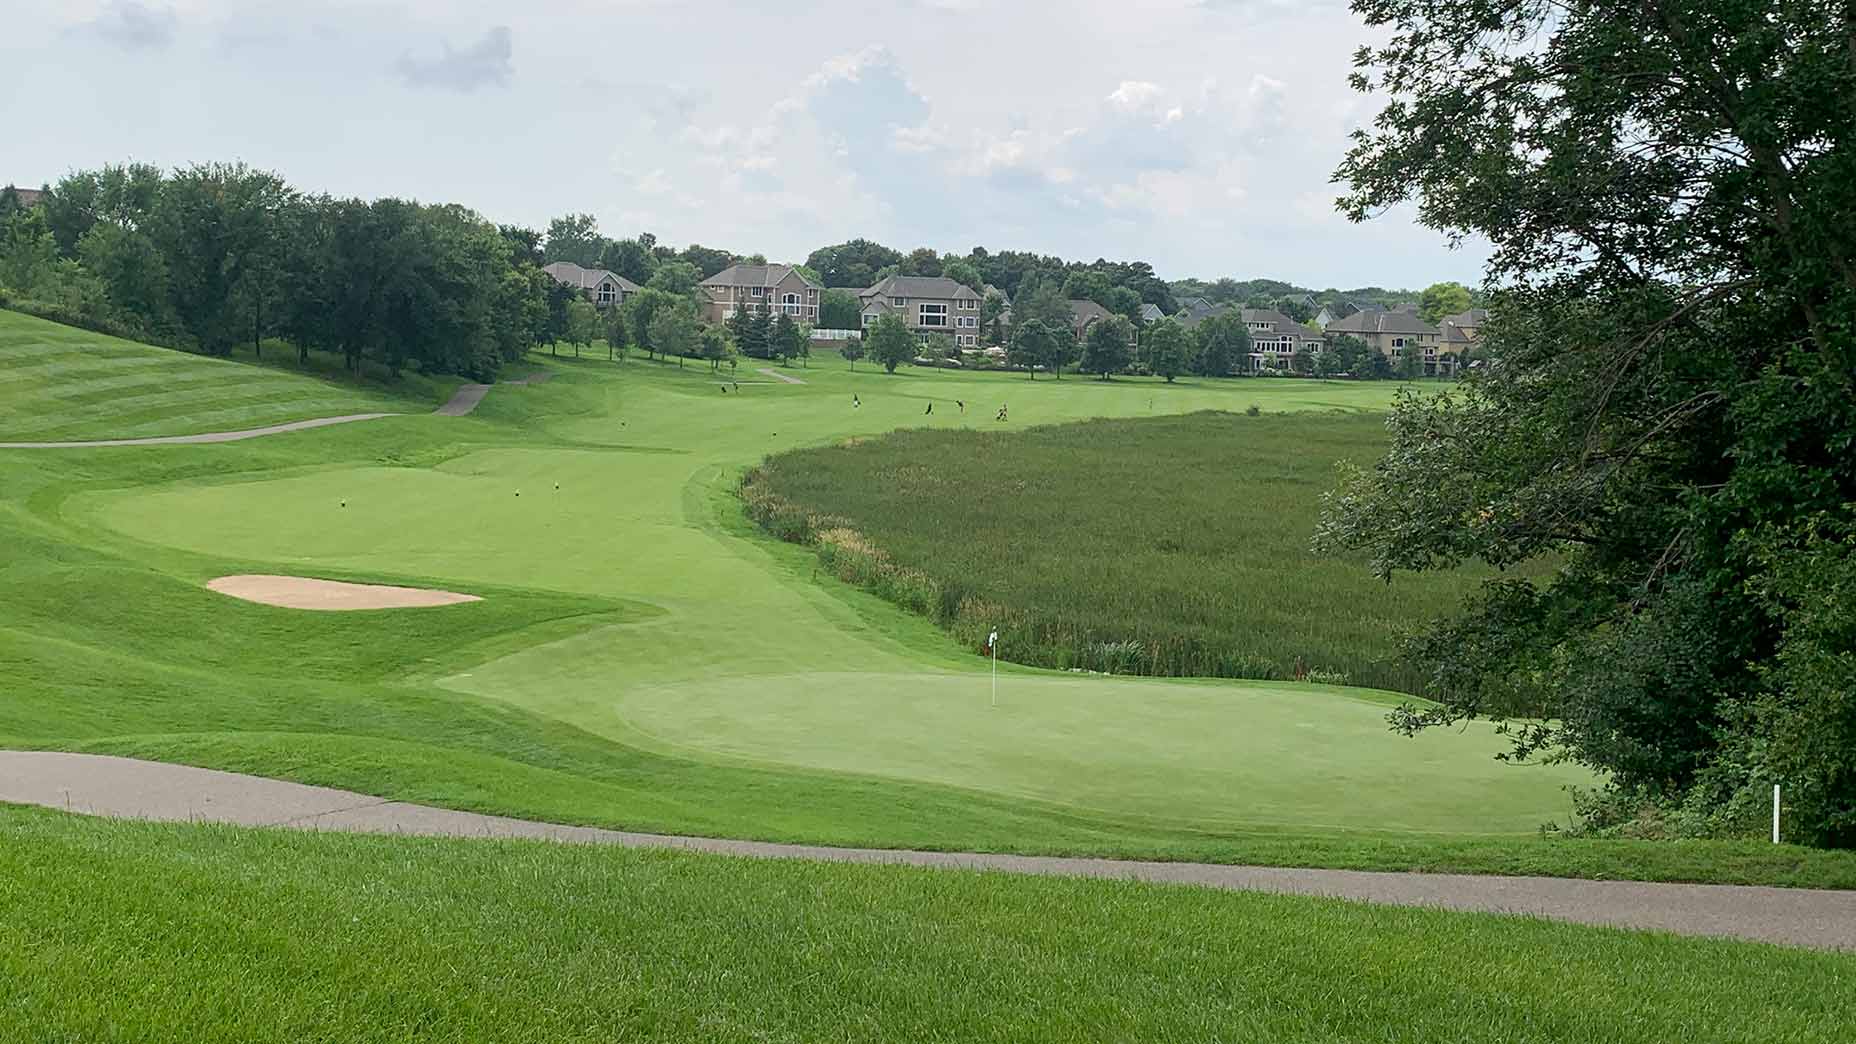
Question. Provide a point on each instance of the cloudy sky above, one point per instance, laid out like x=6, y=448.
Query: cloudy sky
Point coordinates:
x=1196, y=134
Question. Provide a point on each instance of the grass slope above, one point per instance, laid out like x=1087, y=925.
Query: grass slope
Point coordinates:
x=61, y=384
x=636, y=599
x=344, y=938
x=1166, y=545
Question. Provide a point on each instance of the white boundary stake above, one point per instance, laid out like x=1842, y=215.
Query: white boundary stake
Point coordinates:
x=1775, y=813
x=992, y=642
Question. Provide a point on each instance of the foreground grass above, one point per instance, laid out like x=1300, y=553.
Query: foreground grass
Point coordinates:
x=1171, y=545
x=58, y=383
x=129, y=931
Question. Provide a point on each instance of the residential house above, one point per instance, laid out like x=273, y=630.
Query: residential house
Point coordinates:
x=780, y=289
x=1332, y=311
x=603, y=288
x=1084, y=314
x=1151, y=313
x=1195, y=310
x=28, y=198
x=1470, y=322
x=1461, y=331
x=926, y=304
x=1392, y=334
x=1275, y=338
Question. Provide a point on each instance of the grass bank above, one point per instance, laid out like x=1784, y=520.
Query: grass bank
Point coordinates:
x=61, y=384
x=243, y=935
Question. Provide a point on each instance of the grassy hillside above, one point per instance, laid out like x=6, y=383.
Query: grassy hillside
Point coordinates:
x=629, y=615
x=60, y=383
x=1168, y=545
x=242, y=935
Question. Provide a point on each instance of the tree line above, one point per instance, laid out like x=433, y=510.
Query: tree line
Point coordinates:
x=209, y=256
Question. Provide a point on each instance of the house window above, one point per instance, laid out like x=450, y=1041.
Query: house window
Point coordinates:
x=759, y=291
x=968, y=340
x=790, y=304
x=605, y=293
x=970, y=305
x=869, y=318
x=933, y=315
x=899, y=301
x=1398, y=342
x=969, y=320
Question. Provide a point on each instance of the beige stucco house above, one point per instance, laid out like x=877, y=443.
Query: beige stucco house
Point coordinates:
x=1275, y=338
x=926, y=304
x=781, y=289
x=1392, y=334
x=603, y=288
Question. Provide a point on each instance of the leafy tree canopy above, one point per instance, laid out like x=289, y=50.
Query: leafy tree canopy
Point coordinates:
x=1668, y=413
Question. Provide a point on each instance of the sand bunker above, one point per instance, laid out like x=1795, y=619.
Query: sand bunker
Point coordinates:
x=302, y=592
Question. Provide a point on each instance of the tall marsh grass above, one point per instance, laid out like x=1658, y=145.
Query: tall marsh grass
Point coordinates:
x=1167, y=546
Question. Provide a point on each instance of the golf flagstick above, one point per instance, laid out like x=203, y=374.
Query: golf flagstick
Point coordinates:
x=992, y=645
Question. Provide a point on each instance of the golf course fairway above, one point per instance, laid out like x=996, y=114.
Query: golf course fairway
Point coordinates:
x=615, y=482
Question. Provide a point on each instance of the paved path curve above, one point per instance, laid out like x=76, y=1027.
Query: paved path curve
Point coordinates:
x=788, y=378
x=462, y=401
x=110, y=786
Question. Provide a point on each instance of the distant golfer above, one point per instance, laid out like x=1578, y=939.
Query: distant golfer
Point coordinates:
x=963, y=406
x=855, y=401
x=1002, y=411
x=929, y=410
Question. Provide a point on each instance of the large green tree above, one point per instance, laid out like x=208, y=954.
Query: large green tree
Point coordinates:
x=1668, y=417
x=220, y=229
x=675, y=277
x=1108, y=347
x=1034, y=344
x=789, y=339
x=576, y=238
x=1169, y=348
x=674, y=329
x=890, y=342
x=1224, y=345
x=839, y=310
x=1441, y=299
x=853, y=264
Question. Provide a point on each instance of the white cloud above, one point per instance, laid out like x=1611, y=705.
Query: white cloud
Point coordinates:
x=485, y=63
x=132, y=26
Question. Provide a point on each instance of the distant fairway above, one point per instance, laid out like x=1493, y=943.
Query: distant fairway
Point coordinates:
x=643, y=657
x=58, y=383
x=749, y=665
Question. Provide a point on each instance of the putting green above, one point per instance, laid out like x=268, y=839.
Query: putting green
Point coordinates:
x=1194, y=754
x=751, y=659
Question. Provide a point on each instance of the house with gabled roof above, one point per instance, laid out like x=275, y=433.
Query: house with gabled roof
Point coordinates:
x=603, y=288
x=1461, y=331
x=926, y=304
x=28, y=198
x=1393, y=334
x=1084, y=314
x=1195, y=310
x=1275, y=338
x=780, y=289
